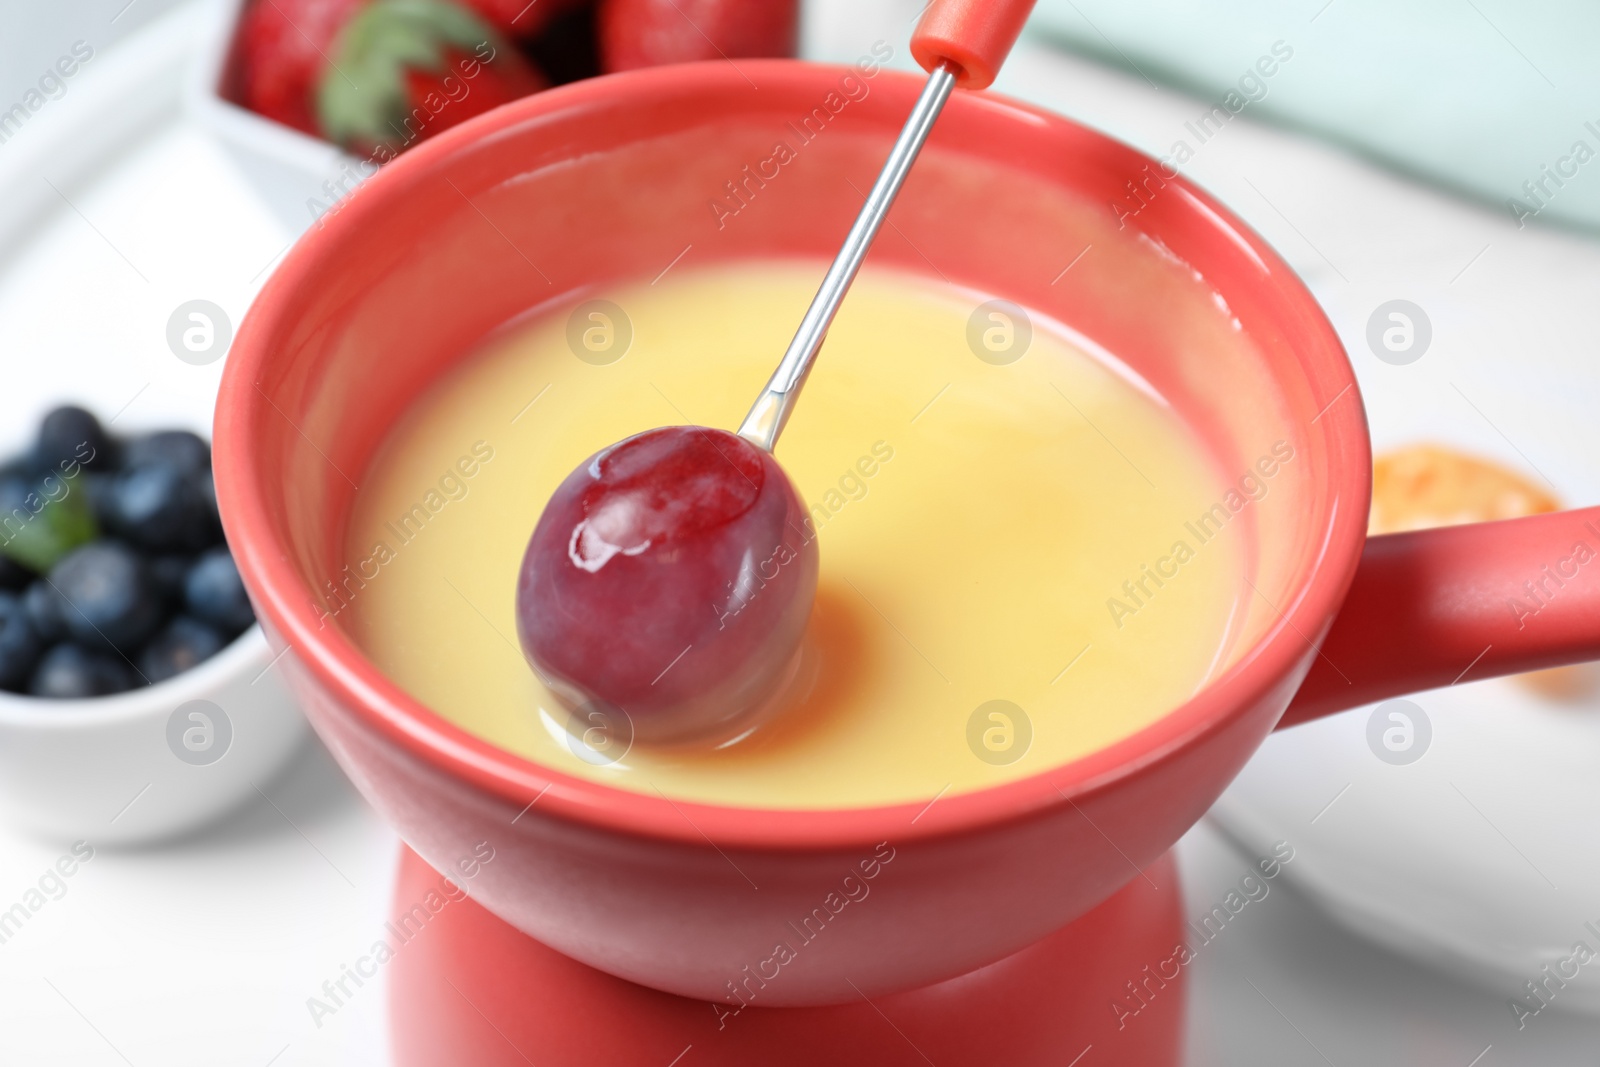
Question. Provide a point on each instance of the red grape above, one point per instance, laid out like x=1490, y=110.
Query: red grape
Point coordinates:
x=671, y=577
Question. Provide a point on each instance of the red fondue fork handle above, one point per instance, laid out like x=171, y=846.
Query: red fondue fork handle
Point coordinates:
x=973, y=35
x=1461, y=603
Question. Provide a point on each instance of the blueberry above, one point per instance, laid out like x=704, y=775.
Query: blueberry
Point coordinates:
x=179, y=449
x=20, y=504
x=208, y=492
x=206, y=488
x=47, y=611
x=15, y=486
x=183, y=643
x=168, y=574
x=70, y=437
x=97, y=486
x=214, y=593
x=109, y=594
x=160, y=508
x=13, y=575
x=69, y=672
x=19, y=644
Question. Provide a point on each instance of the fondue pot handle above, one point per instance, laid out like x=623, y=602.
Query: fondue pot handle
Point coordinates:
x=1461, y=603
x=973, y=35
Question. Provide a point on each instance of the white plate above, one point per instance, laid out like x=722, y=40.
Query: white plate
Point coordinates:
x=1480, y=857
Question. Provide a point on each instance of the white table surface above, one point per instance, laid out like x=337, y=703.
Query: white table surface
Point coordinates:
x=205, y=951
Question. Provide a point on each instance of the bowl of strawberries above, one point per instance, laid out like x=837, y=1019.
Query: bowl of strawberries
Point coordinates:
x=311, y=97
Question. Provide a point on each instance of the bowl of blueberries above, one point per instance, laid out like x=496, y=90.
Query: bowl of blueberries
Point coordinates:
x=138, y=698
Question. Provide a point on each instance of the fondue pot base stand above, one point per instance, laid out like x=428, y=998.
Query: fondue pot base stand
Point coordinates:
x=465, y=987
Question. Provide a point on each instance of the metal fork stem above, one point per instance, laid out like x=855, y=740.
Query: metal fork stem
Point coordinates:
x=770, y=413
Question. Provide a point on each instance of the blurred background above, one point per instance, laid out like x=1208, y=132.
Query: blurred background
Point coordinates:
x=1434, y=161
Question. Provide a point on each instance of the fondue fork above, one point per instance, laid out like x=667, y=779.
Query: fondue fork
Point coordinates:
x=640, y=539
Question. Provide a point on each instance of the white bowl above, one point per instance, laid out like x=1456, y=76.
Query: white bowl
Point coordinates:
x=101, y=769
x=296, y=175
x=109, y=770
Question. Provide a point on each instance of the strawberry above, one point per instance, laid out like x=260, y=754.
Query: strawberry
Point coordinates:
x=282, y=48
x=521, y=18
x=404, y=70
x=647, y=33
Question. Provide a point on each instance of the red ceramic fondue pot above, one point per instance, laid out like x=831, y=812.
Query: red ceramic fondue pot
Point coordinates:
x=557, y=195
